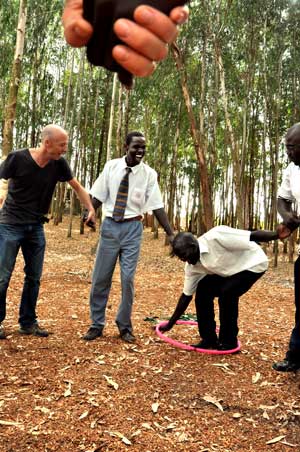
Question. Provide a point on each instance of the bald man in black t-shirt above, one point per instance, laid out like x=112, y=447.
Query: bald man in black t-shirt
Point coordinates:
x=32, y=174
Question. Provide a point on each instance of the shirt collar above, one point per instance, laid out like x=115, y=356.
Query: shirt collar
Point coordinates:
x=134, y=169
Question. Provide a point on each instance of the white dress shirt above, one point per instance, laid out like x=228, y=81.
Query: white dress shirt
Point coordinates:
x=224, y=251
x=290, y=185
x=143, y=194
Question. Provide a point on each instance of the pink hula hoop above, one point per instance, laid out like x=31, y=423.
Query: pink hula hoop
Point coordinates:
x=190, y=347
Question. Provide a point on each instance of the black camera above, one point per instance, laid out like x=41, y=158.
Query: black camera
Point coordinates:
x=90, y=223
x=102, y=14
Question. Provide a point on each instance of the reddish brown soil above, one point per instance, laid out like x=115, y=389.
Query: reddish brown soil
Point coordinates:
x=63, y=394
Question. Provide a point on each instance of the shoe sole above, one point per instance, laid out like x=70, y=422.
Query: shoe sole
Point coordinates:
x=25, y=333
x=91, y=338
x=286, y=369
x=131, y=341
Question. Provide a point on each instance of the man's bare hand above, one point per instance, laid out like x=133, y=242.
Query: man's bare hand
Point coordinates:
x=77, y=30
x=145, y=39
x=283, y=231
x=165, y=327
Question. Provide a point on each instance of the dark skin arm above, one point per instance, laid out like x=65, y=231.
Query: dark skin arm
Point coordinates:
x=163, y=220
x=182, y=305
x=282, y=231
x=290, y=219
x=96, y=204
x=263, y=236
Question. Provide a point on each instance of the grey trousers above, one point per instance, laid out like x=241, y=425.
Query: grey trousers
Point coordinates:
x=123, y=241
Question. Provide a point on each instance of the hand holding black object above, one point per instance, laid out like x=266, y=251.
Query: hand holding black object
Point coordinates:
x=102, y=14
x=90, y=223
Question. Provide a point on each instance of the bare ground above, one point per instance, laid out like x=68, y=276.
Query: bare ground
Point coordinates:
x=63, y=394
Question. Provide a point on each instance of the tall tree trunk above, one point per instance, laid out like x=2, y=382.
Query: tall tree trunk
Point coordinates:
x=198, y=143
x=237, y=173
x=119, y=142
x=78, y=140
x=111, y=118
x=11, y=106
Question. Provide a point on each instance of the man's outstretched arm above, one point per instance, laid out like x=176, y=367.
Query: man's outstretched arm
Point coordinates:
x=163, y=220
x=181, y=307
x=263, y=236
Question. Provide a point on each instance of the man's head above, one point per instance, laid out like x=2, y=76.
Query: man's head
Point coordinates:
x=186, y=247
x=135, y=148
x=54, y=141
x=292, y=143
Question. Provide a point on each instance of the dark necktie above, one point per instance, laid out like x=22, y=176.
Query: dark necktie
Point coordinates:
x=122, y=195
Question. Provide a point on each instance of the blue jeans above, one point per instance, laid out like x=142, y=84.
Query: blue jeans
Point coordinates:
x=123, y=241
x=31, y=239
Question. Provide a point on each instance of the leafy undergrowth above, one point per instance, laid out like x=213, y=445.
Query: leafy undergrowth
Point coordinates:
x=63, y=394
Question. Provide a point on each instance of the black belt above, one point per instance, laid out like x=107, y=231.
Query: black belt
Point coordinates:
x=138, y=218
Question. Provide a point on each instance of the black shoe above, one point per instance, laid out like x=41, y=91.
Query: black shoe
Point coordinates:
x=92, y=333
x=286, y=365
x=127, y=336
x=2, y=332
x=207, y=344
x=34, y=330
x=223, y=346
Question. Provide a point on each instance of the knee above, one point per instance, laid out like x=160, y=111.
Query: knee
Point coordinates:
x=127, y=279
x=5, y=277
x=33, y=279
x=226, y=293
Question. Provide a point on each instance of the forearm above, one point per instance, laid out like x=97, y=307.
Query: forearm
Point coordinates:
x=163, y=220
x=284, y=208
x=96, y=203
x=263, y=236
x=3, y=191
x=84, y=198
x=181, y=307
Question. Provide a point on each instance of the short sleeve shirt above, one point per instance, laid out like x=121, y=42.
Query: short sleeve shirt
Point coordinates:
x=290, y=185
x=143, y=194
x=224, y=251
x=30, y=187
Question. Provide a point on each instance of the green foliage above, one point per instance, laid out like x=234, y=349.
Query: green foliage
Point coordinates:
x=261, y=56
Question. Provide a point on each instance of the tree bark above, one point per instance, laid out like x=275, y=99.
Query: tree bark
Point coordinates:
x=11, y=106
x=198, y=143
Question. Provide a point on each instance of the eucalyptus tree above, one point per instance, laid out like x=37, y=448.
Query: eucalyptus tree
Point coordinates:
x=8, y=21
x=10, y=109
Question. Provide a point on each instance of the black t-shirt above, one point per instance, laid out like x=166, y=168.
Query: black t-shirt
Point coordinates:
x=30, y=187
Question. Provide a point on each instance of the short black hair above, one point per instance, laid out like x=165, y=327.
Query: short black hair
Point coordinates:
x=130, y=135
x=182, y=241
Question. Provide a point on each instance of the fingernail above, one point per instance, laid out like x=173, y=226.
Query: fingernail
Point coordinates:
x=182, y=18
x=146, y=14
x=123, y=28
x=120, y=53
